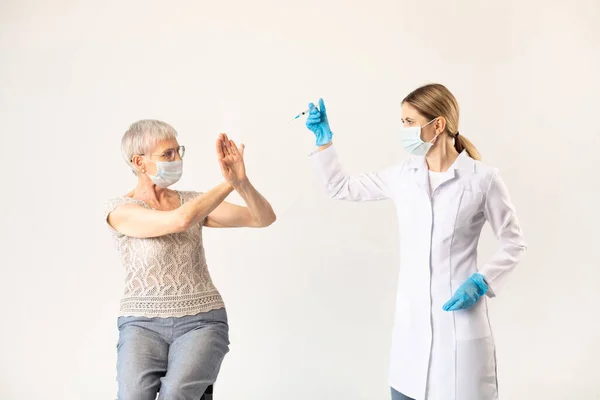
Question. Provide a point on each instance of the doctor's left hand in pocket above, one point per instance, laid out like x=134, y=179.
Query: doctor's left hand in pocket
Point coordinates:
x=467, y=294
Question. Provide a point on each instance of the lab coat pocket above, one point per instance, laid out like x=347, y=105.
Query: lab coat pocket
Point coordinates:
x=473, y=322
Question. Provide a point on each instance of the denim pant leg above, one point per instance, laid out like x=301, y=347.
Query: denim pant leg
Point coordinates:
x=195, y=356
x=396, y=395
x=142, y=356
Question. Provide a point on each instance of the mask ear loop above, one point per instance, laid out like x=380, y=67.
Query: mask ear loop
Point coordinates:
x=432, y=141
x=152, y=161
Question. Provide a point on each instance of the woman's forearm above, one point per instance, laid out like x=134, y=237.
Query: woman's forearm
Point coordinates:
x=260, y=209
x=197, y=209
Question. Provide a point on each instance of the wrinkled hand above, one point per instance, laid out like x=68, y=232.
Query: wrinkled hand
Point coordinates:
x=318, y=123
x=231, y=160
x=467, y=294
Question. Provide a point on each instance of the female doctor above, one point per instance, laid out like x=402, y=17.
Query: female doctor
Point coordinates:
x=442, y=346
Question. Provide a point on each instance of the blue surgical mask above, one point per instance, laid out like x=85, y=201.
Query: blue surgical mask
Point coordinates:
x=412, y=142
x=167, y=173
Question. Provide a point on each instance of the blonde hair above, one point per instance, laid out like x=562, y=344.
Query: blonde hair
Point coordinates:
x=142, y=137
x=435, y=100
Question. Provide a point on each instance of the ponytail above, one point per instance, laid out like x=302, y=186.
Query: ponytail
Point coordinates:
x=462, y=143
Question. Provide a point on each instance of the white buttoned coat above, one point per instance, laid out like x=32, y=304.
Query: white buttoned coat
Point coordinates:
x=439, y=355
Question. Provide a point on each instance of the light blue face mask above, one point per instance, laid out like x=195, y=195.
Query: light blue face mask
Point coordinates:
x=167, y=173
x=412, y=142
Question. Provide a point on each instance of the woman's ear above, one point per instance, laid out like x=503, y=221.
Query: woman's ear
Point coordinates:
x=138, y=163
x=440, y=125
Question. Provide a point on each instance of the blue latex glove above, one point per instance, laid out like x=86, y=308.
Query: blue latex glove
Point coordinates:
x=318, y=124
x=467, y=294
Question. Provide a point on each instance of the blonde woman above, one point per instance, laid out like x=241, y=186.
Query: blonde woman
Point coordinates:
x=173, y=331
x=442, y=347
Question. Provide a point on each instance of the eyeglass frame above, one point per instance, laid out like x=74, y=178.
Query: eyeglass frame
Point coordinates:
x=179, y=150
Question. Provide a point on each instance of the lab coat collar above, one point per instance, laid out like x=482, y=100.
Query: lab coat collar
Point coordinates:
x=463, y=162
x=419, y=166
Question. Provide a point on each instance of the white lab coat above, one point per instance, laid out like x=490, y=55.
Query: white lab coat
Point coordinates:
x=439, y=355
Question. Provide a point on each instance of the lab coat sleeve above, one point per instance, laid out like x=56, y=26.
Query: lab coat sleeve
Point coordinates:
x=340, y=186
x=500, y=213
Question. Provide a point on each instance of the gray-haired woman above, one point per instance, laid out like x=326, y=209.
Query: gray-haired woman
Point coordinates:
x=173, y=331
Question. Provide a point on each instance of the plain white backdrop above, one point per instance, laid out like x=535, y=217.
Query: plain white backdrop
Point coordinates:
x=311, y=298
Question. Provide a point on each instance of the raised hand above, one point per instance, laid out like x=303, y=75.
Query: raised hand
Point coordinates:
x=318, y=123
x=231, y=160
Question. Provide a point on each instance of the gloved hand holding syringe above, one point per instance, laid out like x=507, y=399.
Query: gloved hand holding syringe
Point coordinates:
x=317, y=122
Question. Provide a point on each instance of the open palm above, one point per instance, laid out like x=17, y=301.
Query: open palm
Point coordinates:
x=231, y=160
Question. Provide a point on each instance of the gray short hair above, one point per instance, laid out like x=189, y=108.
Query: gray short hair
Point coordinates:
x=143, y=136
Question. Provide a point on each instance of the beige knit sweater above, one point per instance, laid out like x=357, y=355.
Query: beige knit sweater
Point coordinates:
x=165, y=276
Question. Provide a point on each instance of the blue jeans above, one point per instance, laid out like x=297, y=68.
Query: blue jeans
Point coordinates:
x=181, y=356
x=399, y=396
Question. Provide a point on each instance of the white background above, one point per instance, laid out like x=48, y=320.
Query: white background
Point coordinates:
x=311, y=298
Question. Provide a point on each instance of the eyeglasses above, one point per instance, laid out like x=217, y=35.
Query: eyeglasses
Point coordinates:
x=170, y=154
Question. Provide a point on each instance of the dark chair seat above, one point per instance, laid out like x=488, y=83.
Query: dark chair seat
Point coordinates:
x=208, y=393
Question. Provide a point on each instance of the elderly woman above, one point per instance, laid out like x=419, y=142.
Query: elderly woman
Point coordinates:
x=173, y=331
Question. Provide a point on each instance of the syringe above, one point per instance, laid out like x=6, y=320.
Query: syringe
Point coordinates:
x=301, y=114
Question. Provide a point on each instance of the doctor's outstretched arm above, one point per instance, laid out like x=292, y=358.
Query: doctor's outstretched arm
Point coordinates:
x=338, y=184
